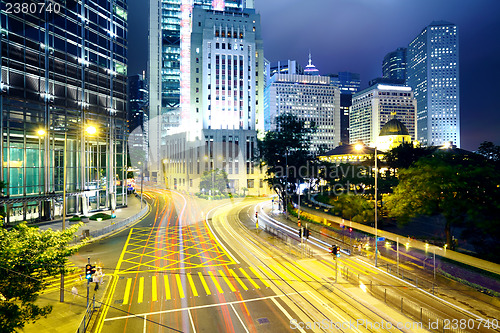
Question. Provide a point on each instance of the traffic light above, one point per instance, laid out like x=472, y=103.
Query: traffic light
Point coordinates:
x=300, y=233
x=256, y=215
x=350, y=229
x=89, y=271
x=298, y=223
x=333, y=249
x=337, y=251
x=306, y=233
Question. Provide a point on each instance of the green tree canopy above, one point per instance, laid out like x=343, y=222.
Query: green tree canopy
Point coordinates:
x=464, y=190
x=27, y=256
x=215, y=180
x=285, y=153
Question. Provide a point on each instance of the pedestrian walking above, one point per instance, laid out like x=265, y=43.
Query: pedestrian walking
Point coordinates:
x=74, y=291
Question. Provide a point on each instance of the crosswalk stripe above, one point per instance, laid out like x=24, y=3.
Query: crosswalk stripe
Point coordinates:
x=227, y=281
x=126, y=295
x=193, y=287
x=140, y=298
x=257, y=274
x=296, y=271
x=204, y=283
x=167, y=287
x=179, y=285
x=217, y=285
x=268, y=273
x=283, y=274
x=238, y=279
x=249, y=279
x=154, y=289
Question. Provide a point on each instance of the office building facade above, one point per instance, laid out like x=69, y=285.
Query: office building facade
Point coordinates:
x=61, y=72
x=312, y=98
x=394, y=65
x=433, y=74
x=375, y=106
x=348, y=84
x=138, y=119
x=169, y=27
x=224, y=103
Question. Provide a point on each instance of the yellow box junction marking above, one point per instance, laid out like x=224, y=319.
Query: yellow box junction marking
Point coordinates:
x=217, y=285
x=191, y=283
x=179, y=285
x=167, y=287
x=141, y=290
x=126, y=294
x=205, y=285
x=227, y=281
x=256, y=286
x=238, y=279
x=154, y=289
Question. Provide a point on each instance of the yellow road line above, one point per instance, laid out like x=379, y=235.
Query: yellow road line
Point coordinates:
x=308, y=278
x=249, y=279
x=167, y=287
x=296, y=271
x=256, y=273
x=217, y=285
x=270, y=275
x=126, y=295
x=179, y=285
x=238, y=279
x=227, y=281
x=190, y=279
x=204, y=283
x=140, y=298
x=283, y=274
x=154, y=290
x=355, y=263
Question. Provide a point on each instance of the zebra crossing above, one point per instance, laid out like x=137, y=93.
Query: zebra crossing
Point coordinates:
x=169, y=286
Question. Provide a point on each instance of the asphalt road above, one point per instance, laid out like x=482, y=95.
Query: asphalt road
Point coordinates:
x=188, y=268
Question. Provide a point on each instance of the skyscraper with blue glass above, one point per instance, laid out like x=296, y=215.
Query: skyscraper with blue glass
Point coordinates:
x=433, y=73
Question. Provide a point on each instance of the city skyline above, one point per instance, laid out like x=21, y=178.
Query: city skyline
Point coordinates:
x=365, y=43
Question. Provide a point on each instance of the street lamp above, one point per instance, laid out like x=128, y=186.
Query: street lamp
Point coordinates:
x=359, y=147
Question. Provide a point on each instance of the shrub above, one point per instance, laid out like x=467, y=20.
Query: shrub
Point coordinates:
x=75, y=218
x=103, y=216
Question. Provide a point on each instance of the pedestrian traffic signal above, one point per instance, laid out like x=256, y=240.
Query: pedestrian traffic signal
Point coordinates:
x=333, y=249
x=256, y=215
x=350, y=229
x=89, y=271
x=298, y=223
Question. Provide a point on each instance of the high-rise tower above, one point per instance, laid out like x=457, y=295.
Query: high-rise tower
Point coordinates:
x=394, y=65
x=433, y=74
x=169, y=27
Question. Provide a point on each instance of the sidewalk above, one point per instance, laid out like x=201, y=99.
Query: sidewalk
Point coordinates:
x=66, y=317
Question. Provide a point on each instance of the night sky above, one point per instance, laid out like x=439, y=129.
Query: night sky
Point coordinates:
x=355, y=35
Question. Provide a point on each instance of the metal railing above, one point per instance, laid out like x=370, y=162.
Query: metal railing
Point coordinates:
x=91, y=308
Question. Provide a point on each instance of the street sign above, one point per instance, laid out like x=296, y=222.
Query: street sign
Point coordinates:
x=380, y=239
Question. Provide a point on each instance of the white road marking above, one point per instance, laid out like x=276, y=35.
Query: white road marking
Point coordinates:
x=192, y=322
x=286, y=314
x=241, y=321
x=201, y=306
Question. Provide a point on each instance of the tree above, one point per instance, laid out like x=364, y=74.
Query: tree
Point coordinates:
x=285, y=154
x=27, y=257
x=354, y=208
x=464, y=190
x=404, y=155
x=490, y=151
x=215, y=180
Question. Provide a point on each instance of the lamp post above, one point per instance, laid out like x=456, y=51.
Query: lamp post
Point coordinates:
x=359, y=147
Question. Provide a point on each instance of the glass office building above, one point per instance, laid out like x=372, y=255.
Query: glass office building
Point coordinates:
x=433, y=74
x=63, y=70
x=394, y=65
